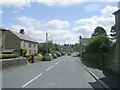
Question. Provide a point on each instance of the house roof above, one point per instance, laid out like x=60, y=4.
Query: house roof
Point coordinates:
x=118, y=11
x=84, y=41
x=2, y=29
x=23, y=36
x=8, y=50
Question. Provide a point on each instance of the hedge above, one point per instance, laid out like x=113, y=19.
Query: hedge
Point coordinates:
x=23, y=52
x=6, y=56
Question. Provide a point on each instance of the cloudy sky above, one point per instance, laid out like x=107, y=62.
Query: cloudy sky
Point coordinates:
x=63, y=20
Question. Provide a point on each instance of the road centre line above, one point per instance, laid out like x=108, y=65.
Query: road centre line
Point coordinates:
x=32, y=80
x=56, y=63
x=49, y=68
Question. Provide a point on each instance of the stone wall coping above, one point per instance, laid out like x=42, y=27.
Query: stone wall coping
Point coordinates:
x=12, y=59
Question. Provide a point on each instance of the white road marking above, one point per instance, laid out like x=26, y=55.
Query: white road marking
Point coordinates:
x=56, y=63
x=32, y=80
x=49, y=68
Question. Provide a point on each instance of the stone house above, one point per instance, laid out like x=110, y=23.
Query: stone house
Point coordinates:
x=83, y=43
x=12, y=40
x=117, y=26
x=112, y=59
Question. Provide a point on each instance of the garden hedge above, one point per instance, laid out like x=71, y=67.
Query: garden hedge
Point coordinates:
x=6, y=56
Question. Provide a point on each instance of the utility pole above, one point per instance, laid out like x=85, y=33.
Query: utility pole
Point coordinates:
x=46, y=42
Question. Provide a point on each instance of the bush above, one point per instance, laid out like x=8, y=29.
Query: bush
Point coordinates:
x=6, y=56
x=23, y=52
x=48, y=57
x=98, y=44
x=40, y=57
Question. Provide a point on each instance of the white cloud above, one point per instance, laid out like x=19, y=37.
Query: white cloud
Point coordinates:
x=92, y=7
x=56, y=28
x=87, y=25
x=15, y=3
x=58, y=36
x=108, y=10
x=1, y=12
x=64, y=3
x=57, y=24
x=60, y=2
x=31, y=22
x=34, y=29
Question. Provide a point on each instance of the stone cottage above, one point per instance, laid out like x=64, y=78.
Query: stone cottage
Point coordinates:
x=12, y=40
x=117, y=26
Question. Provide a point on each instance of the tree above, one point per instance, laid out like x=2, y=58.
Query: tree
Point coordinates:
x=113, y=32
x=98, y=44
x=99, y=31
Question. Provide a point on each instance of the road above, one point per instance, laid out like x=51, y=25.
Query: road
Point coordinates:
x=63, y=72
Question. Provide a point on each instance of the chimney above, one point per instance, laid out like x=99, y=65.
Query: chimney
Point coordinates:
x=22, y=31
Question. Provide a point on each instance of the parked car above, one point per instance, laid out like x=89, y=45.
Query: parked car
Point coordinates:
x=54, y=55
x=68, y=53
x=58, y=54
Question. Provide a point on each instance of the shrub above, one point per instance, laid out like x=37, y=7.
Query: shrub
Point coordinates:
x=23, y=52
x=48, y=57
x=98, y=44
x=6, y=56
x=40, y=57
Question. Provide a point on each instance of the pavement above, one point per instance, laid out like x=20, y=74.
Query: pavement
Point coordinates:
x=107, y=79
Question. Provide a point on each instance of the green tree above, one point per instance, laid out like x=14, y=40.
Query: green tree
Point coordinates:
x=98, y=44
x=99, y=31
x=113, y=32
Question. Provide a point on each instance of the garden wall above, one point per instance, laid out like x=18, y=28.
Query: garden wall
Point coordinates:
x=93, y=58
x=13, y=62
x=111, y=60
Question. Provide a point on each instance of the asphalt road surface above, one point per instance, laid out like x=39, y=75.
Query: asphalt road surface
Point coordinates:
x=63, y=72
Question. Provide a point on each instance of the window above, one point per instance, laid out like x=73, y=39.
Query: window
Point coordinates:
x=23, y=43
x=29, y=52
x=30, y=45
x=34, y=45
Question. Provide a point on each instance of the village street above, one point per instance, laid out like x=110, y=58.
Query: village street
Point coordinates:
x=63, y=72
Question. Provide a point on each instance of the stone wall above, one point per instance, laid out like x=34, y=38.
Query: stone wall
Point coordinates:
x=13, y=62
x=93, y=58
x=111, y=61
x=12, y=42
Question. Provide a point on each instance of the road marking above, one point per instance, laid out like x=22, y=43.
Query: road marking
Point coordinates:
x=49, y=68
x=56, y=63
x=32, y=80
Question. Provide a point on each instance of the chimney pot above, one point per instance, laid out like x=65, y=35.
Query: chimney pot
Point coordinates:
x=22, y=31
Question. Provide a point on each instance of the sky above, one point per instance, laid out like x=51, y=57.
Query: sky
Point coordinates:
x=63, y=20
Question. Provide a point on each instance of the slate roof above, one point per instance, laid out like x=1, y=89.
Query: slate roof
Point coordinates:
x=23, y=36
x=8, y=50
x=84, y=41
x=118, y=11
